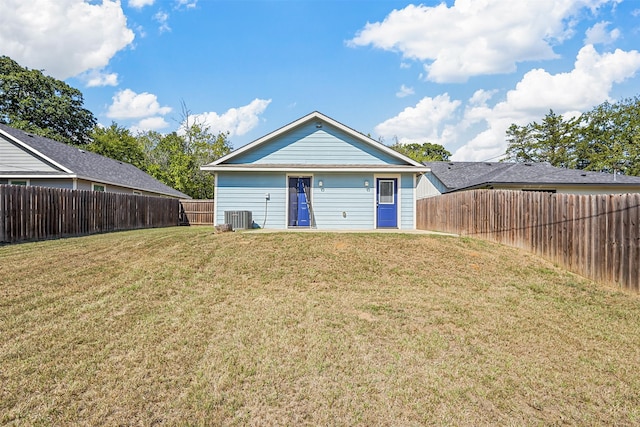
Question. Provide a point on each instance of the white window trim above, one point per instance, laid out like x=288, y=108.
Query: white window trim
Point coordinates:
x=93, y=185
x=11, y=181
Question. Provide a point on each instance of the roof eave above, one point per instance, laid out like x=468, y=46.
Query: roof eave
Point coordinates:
x=302, y=168
x=37, y=176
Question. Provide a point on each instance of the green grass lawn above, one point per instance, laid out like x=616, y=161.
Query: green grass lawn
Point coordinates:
x=182, y=326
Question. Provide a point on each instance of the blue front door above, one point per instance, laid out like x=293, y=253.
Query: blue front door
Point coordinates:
x=387, y=202
x=299, y=202
x=303, y=203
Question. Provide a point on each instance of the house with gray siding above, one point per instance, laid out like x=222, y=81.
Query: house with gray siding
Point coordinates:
x=27, y=159
x=448, y=177
x=316, y=173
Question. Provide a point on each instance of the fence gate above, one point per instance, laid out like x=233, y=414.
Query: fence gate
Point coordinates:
x=196, y=212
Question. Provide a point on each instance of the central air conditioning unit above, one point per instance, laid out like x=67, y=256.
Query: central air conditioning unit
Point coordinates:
x=239, y=220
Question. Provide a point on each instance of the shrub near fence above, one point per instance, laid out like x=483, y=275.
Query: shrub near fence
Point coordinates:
x=38, y=213
x=596, y=236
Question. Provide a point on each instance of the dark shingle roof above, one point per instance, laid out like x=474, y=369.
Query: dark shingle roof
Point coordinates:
x=92, y=166
x=463, y=175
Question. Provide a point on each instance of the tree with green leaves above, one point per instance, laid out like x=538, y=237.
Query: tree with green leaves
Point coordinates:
x=610, y=138
x=175, y=158
x=521, y=145
x=204, y=147
x=42, y=105
x=170, y=162
x=116, y=142
x=605, y=139
x=427, y=152
x=552, y=140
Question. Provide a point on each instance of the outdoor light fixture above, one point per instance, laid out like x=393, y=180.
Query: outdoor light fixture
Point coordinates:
x=320, y=183
x=366, y=183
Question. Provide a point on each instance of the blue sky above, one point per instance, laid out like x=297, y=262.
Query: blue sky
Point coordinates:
x=457, y=73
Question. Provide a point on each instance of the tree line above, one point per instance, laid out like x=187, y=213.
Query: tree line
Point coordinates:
x=604, y=139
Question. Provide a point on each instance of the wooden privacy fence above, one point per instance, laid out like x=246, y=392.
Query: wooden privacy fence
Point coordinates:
x=38, y=213
x=596, y=236
x=196, y=212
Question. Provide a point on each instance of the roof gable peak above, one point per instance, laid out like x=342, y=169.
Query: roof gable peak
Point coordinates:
x=321, y=119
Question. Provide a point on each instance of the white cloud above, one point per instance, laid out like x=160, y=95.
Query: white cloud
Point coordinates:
x=188, y=4
x=63, y=37
x=475, y=37
x=598, y=34
x=139, y=4
x=481, y=97
x=130, y=105
x=482, y=126
x=421, y=123
x=587, y=85
x=142, y=33
x=236, y=121
x=150, y=123
x=163, y=19
x=95, y=78
x=404, y=91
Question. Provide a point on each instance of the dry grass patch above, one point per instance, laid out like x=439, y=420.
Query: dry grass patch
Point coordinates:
x=181, y=326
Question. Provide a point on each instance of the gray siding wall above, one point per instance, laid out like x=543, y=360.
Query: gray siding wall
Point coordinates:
x=49, y=183
x=429, y=186
x=16, y=159
x=598, y=190
x=52, y=183
x=87, y=185
x=573, y=189
x=82, y=185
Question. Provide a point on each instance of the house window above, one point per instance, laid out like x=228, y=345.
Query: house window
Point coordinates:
x=23, y=182
x=386, y=192
x=98, y=187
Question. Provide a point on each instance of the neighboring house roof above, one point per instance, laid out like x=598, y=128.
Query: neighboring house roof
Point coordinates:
x=457, y=176
x=74, y=162
x=406, y=164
